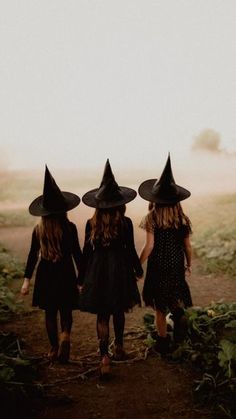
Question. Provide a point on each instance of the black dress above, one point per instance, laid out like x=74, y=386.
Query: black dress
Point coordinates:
x=165, y=285
x=56, y=282
x=109, y=274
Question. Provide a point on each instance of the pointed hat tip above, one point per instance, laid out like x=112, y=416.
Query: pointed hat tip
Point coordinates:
x=108, y=165
x=168, y=161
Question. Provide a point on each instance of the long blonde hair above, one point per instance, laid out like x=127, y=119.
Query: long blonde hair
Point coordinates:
x=49, y=231
x=167, y=216
x=105, y=224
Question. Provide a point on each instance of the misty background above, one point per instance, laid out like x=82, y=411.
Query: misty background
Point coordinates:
x=129, y=80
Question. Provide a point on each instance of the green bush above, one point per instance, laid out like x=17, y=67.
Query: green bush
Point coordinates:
x=210, y=350
x=10, y=270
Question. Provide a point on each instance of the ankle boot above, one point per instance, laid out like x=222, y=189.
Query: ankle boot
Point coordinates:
x=119, y=353
x=53, y=353
x=105, y=368
x=162, y=345
x=180, y=325
x=64, y=348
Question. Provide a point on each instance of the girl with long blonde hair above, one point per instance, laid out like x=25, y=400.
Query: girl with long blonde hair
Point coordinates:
x=168, y=253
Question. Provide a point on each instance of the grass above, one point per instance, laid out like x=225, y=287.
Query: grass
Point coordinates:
x=15, y=218
x=214, y=239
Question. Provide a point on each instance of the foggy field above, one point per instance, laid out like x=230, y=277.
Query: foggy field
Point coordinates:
x=213, y=215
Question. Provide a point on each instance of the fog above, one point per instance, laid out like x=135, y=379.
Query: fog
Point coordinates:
x=129, y=81
x=205, y=168
x=204, y=173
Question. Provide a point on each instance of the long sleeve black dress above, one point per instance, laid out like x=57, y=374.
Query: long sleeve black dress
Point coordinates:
x=109, y=273
x=56, y=282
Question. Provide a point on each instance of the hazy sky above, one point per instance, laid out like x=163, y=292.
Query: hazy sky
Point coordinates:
x=127, y=79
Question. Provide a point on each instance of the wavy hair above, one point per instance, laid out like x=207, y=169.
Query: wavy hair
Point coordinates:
x=167, y=216
x=50, y=231
x=105, y=224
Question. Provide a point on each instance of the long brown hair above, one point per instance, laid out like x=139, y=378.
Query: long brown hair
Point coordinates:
x=49, y=231
x=167, y=216
x=105, y=224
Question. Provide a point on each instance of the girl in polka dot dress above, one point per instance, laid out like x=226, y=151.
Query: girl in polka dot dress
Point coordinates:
x=168, y=250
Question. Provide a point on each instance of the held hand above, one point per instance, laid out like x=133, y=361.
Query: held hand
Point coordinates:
x=188, y=271
x=25, y=287
x=80, y=288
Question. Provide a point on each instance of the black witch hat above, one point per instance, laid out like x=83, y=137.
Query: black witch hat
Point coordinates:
x=53, y=200
x=109, y=194
x=163, y=191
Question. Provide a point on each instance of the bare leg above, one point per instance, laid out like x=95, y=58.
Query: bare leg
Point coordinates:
x=161, y=323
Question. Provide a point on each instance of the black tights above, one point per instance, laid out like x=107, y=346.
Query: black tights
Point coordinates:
x=51, y=323
x=103, y=329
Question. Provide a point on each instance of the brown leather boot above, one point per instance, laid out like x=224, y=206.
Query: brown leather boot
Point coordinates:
x=64, y=348
x=53, y=353
x=119, y=353
x=105, y=368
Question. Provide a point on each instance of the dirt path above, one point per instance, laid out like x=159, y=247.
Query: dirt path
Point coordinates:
x=152, y=388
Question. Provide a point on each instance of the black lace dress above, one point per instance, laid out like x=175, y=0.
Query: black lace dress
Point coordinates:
x=165, y=285
x=109, y=273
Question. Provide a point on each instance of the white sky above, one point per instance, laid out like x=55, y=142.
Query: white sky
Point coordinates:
x=125, y=79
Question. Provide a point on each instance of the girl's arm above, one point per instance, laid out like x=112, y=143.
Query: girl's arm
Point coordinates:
x=147, y=248
x=76, y=250
x=31, y=262
x=131, y=249
x=188, y=253
x=87, y=250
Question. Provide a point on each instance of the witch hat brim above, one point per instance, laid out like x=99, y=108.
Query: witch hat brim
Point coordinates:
x=53, y=200
x=109, y=194
x=163, y=191
x=145, y=190
x=126, y=195
x=37, y=208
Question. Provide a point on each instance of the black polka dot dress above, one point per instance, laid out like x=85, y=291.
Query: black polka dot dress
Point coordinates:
x=165, y=286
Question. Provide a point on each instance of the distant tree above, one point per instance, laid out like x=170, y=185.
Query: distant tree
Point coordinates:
x=208, y=140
